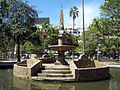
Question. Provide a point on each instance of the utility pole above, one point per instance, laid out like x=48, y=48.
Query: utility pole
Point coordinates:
x=83, y=27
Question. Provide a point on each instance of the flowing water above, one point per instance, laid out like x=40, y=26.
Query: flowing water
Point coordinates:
x=8, y=82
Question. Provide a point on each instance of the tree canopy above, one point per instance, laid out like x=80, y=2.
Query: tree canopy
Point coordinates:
x=18, y=21
x=74, y=14
x=111, y=10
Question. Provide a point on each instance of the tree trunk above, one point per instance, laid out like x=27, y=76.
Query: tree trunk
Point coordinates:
x=117, y=54
x=18, y=53
x=73, y=25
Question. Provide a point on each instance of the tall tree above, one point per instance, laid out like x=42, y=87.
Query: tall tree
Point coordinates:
x=20, y=20
x=74, y=14
x=111, y=10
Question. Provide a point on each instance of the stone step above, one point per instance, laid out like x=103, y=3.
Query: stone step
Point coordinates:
x=58, y=79
x=54, y=75
x=57, y=68
x=57, y=71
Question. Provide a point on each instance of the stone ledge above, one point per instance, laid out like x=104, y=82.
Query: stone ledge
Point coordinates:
x=27, y=72
x=89, y=74
x=51, y=79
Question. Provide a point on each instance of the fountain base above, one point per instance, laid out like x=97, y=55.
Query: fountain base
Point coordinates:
x=61, y=62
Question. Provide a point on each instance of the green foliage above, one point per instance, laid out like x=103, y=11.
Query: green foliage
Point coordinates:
x=3, y=6
x=79, y=48
x=46, y=29
x=18, y=21
x=101, y=26
x=21, y=17
x=111, y=46
x=107, y=29
x=50, y=32
x=30, y=48
x=74, y=12
x=111, y=10
x=69, y=40
x=90, y=42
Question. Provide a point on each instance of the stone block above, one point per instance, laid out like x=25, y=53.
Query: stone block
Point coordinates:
x=84, y=62
x=33, y=59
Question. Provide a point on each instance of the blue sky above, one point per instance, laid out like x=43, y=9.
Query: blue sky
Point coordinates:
x=51, y=8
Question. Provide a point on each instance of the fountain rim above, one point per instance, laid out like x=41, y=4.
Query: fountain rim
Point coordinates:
x=59, y=47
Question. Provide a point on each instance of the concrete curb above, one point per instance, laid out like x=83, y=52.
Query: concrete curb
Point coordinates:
x=114, y=66
x=7, y=64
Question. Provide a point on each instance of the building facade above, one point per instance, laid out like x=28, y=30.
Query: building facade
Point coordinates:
x=39, y=21
x=78, y=29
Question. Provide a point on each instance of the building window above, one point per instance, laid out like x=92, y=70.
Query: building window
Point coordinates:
x=70, y=28
x=78, y=28
x=65, y=28
x=75, y=32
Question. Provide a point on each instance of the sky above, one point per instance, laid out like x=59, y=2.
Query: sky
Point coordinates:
x=51, y=9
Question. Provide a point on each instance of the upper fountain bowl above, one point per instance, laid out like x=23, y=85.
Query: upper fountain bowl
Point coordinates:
x=63, y=48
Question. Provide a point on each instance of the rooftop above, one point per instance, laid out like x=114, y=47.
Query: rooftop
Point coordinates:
x=41, y=20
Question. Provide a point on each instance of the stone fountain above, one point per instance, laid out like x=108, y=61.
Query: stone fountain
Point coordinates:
x=83, y=69
x=61, y=48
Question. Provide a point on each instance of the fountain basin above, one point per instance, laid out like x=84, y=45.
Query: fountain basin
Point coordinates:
x=63, y=48
x=97, y=73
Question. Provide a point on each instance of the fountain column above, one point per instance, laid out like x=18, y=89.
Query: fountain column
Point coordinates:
x=61, y=48
x=60, y=40
x=61, y=56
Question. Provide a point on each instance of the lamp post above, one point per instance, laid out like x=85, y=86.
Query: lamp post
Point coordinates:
x=98, y=52
x=99, y=39
x=83, y=27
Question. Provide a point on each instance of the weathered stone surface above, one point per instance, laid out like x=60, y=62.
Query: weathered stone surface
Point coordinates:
x=33, y=59
x=26, y=70
x=84, y=62
x=47, y=59
x=89, y=74
x=55, y=73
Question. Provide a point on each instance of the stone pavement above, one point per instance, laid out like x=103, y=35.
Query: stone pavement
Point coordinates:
x=112, y=64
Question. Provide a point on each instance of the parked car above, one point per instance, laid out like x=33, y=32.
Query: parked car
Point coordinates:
x=104, y=57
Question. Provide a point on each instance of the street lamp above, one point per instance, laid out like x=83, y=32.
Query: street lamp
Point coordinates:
x=98, y=52
x=83, y=27
x=99, y=39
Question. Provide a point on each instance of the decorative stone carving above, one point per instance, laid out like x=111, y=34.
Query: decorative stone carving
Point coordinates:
x=47, y=59
x=84, y=62
x=32, y=60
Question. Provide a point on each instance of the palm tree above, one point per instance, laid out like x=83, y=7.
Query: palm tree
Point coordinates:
x=74, y=14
